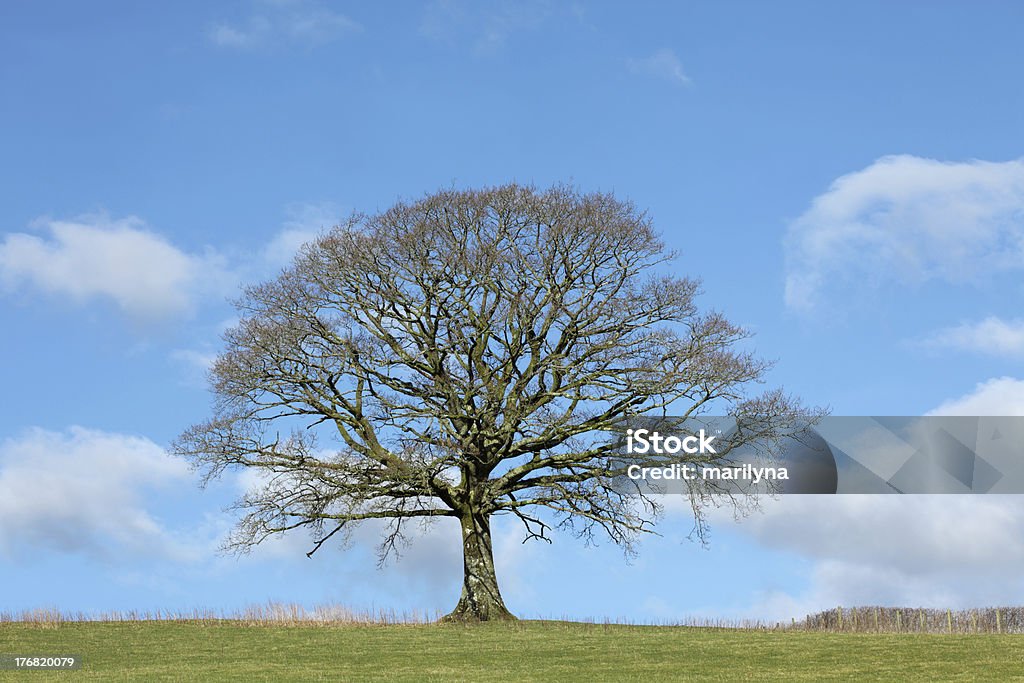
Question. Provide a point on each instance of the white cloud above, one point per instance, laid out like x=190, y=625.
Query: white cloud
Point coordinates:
x=197, y=360
x=286, y=244
x=299, y=23
x=195, y=365
x=85, y=491
x=912, y=534
x=122, y=261
x=96, y=257
x=304, y=223
x=488, y=25
x=997, y=396
x=664, y=64
x=992, y=335
x=255, y=30
x=907, y=219
x=900, y=550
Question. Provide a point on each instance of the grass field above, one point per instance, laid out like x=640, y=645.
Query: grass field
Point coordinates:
x=548, y=651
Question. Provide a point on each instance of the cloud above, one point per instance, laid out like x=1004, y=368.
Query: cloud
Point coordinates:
x=910, y=534
x=663, y=64
x=998, y=396
x=253, y=33
x=305, y=222
x=197, y=360
x=85, y=491
x=283, y=23
x=908, y=220
x=900, y=550
x=96, y=257
x=993, y=336
x=488, y=25
x=195, y=365
x=123, y=261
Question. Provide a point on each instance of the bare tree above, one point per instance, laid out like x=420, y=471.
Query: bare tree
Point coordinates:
x=469, y=354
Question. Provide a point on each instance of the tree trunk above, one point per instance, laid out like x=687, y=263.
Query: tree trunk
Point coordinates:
x=481, y=600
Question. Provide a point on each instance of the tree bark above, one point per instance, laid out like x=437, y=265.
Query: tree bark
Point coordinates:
x=481, y=600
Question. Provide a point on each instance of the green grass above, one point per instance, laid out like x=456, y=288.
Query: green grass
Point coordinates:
x=542, y=651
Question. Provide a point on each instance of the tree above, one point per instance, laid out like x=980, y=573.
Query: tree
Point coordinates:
x=468, y=354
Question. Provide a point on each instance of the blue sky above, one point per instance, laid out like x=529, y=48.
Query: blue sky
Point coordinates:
x=847, y=179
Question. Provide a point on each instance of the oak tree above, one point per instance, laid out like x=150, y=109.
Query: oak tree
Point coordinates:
x=465, y=356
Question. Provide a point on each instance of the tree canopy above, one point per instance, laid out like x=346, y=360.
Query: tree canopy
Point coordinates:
x=467, y=355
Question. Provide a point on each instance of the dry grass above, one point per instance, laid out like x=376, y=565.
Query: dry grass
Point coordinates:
x=915, y=620
x=270, y=614
x=286, y=614
x=1009, y=620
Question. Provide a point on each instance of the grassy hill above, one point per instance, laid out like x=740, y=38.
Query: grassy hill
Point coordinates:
x=523, y=651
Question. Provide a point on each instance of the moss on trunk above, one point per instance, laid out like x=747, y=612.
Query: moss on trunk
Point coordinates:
x=480, y=600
